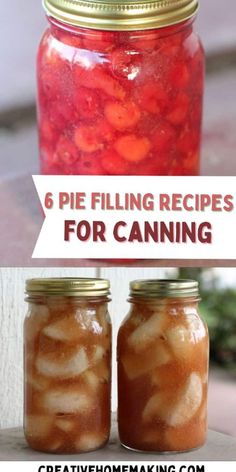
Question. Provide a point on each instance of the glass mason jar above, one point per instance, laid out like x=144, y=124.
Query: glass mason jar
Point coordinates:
x=67, y=355
x=120, y=88
x=163, y=352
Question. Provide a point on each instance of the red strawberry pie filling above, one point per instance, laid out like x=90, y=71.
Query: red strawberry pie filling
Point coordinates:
x=120, y=103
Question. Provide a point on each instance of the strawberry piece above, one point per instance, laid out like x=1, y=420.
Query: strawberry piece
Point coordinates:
x=132, y=148
x=120, y=58
x=188, y=141
x=114, y=164
x=157, y=165
x=89, y=164
x=109, y=85
x=179, y=76
x=146, y=41
x=192, y=163
x=66, y=151
x=102, y=41
x=185, y=164
x=176, y=169
x=152, y=97
x=163, y=137
x=171, y=45
x=124, y=64
x=86, y=102
x=55, y=75
x=180, y=169
x=122, y=115
x=170, y=51
x=61, y=112
x=92, y=138
x=47, y=131
x=104, y=131
x=143, y=169
x=180, y=107
x=71, y=40
x=195, y=117
x=49, y=83
x=96, y=78
x=48, y=164
x=85, y=139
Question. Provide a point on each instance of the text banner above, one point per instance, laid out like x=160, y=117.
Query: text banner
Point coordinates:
x=117, y=466
x=107, y=217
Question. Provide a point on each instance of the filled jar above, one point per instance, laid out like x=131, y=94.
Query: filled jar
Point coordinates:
x=120, y=88
x=67, y=356
x=163, y=351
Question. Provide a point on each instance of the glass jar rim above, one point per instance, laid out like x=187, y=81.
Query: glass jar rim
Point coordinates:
x=80, y=287
x=119, y=15
x=164, y=288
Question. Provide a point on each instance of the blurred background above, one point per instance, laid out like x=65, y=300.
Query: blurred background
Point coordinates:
x=218, y=307
x=22, y=23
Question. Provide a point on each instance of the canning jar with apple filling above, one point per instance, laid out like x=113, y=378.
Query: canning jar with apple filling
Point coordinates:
x=120, y=87
x=163, y=368
x=67, y=355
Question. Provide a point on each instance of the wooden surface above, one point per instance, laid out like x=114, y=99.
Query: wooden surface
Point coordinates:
x=219, y=447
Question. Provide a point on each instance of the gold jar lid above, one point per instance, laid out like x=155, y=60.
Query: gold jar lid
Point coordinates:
x=69, y=287
x=164, y=288
x=121, y=14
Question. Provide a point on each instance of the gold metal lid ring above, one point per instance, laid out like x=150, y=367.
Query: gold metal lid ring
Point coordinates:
x=121, y=15
x=164, y=288
x=69, y=287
